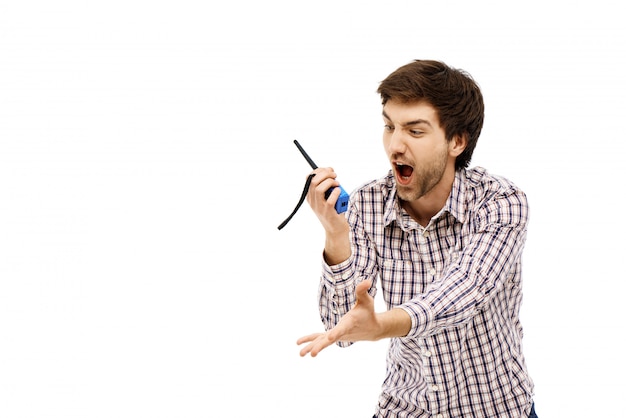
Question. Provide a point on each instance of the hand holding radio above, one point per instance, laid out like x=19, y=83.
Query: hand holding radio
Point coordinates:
x=324, y=192
x=342, y=200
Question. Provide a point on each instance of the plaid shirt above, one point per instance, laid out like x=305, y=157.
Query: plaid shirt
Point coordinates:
x=459, y=279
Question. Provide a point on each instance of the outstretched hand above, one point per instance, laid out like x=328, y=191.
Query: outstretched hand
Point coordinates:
x=361, y=323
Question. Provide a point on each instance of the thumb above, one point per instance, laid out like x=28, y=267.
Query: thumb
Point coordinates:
x=361, y=290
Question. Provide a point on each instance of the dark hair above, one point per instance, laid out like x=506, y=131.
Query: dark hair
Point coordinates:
x=452, y=92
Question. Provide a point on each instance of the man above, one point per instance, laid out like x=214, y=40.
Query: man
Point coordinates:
x=444, y=243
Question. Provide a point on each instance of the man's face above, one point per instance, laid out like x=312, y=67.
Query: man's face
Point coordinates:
x=416, y=147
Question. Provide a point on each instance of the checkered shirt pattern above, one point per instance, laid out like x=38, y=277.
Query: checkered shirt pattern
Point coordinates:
x=459, y=278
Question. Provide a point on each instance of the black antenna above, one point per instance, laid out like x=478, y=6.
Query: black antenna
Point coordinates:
x=306, y=156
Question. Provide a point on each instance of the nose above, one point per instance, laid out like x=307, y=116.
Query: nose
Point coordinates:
x=396, y=142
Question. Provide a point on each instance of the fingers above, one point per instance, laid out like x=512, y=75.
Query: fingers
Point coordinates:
x=317, y=342
x=324, y=180
x=322, y=174
x=308, y=338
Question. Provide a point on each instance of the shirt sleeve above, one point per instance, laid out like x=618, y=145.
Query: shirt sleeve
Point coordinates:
x=494, y=249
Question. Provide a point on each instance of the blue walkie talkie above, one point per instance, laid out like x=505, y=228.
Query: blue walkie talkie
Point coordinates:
x=342, y=202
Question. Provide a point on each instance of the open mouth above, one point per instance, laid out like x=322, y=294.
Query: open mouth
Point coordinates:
x=403, y=173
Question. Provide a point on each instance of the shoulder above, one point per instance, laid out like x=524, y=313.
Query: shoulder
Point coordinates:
x=483, y=185
x=495, y=198
x=481, y=180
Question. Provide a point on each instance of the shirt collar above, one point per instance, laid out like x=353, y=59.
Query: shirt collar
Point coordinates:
x=456, y=203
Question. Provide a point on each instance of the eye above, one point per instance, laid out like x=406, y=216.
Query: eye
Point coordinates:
x=388, y=128
x=415, y=132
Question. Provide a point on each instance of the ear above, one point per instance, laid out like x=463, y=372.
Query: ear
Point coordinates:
x=457, y=145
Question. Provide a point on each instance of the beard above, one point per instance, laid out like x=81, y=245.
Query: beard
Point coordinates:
x=425, y=178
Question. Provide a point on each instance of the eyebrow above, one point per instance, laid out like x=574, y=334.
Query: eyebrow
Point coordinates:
x=410, y=123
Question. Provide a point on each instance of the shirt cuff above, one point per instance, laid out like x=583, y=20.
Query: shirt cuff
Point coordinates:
x=422, y=318
x=338, y=275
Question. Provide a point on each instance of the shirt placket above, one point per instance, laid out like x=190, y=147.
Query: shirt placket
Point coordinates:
x=428, y=246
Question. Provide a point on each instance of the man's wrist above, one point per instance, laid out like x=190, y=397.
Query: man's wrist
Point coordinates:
x=395, y=322
x=337, y=247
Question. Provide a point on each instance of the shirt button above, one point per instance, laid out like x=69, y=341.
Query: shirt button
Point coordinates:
x=425, y=234
x=432, y=272
x=434, y=388
x=427, y=353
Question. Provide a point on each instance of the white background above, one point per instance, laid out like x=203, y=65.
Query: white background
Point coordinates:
x=146, y=160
